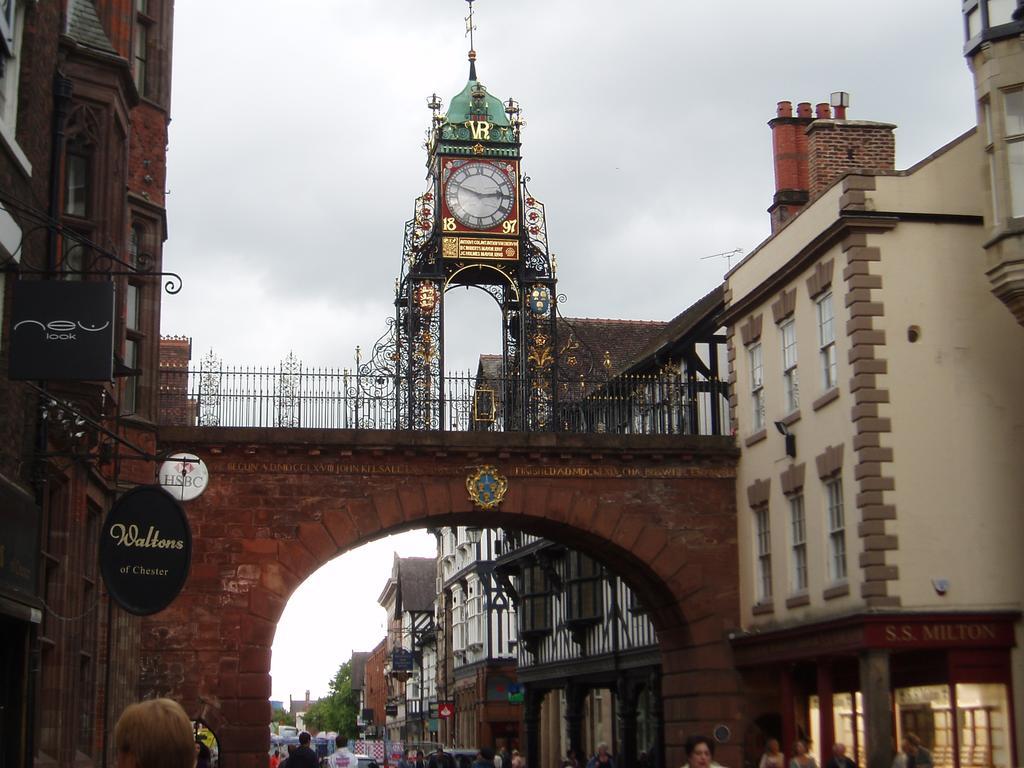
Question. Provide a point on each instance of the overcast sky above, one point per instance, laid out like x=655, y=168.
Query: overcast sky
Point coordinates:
x=296, y=154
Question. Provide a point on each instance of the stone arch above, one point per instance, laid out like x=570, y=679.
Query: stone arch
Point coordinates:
x=660, y=512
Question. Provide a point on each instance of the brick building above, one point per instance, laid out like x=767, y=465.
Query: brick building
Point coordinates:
x=84, y=95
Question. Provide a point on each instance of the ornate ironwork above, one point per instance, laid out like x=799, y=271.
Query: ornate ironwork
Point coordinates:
x=365, y=398
x=89, y=258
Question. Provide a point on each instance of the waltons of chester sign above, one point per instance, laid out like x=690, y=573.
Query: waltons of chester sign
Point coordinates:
x=145, y=550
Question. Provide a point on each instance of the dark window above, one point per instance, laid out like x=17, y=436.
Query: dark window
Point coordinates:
x=584, y=588
x=536, y=601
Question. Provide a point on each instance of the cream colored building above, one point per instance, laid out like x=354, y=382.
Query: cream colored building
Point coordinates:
x=882, y=575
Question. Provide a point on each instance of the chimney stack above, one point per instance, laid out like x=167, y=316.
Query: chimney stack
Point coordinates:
x=814, y=149
x=789, y=145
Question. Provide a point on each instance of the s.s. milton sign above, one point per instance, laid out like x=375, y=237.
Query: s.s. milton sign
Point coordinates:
x=145, y=550
x=62, y=330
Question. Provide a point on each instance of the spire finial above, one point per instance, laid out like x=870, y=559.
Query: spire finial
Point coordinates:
x=470, y=27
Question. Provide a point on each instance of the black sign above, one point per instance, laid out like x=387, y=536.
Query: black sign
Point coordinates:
x=401, y=660
x=62, y=330
x=367, y=716
x=391, y=710
x=145, y=550
x=19, y=542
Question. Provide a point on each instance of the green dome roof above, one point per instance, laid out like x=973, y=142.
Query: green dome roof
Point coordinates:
x=465, y=105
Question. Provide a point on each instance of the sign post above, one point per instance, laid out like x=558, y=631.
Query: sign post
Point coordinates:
x=145, y=550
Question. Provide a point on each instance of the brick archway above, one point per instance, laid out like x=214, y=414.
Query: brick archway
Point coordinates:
x=660, y=511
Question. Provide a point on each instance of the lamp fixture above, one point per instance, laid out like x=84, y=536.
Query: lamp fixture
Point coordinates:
x=789, y=437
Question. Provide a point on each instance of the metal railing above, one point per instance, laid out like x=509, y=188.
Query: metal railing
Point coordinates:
x=317, y=398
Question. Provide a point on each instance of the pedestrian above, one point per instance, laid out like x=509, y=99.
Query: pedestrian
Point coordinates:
x=517, y=760
x=202, y=755
x=839, y=758
x=801, y=759
x=772, y=757
x=602, y=759
x=420, y=762
x=304, y=756
x=700, y=752
x=339, y=758
x=917, y=755
x=484, y=758
x=290, y=749
x=154, y=734
x=275, y=759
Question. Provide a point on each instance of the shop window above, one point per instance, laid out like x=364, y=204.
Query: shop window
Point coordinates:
x=584, y=587
x=827, y=342
x=924, y=711
x=756, y=360
x=982, y=714
x=836, y=519
x=790, y=381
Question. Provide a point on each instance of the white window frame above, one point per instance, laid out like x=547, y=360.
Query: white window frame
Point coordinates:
x=798, y=542
x=763, y=538
x=11, y=32
x=827, y=340
x=790, y=380
x=755, y=357
x=1013, y=132
x=835, y=517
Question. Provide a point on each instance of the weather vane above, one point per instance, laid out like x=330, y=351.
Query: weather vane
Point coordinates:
x=470, y=26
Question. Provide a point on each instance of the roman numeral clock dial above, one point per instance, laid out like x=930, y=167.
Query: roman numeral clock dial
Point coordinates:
x=480, y=195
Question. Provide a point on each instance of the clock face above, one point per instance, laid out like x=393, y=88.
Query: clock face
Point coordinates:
x=480, y=195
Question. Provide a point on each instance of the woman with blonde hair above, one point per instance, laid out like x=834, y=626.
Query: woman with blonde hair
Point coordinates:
x=154, y=734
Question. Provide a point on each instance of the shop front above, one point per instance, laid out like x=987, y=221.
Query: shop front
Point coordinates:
x=20, y=615
x=868, y=681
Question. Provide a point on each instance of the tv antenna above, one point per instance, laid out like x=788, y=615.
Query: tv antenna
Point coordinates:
x=728, y=255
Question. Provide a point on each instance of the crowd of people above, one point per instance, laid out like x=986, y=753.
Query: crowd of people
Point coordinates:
x=158, y=734
x=912, y=754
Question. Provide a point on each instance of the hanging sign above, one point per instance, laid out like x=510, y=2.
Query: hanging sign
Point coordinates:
x=445, y=709
x=145, y=550
x=62, y=330
x=184, y=476
x=401, y=660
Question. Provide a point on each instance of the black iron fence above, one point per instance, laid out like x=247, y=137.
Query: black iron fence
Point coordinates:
x=294, y=396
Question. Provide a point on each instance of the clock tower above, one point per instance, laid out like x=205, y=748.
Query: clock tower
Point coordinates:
x=476, y=225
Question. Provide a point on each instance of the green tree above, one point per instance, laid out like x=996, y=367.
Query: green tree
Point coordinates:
x=281, y=717
x=339, y=709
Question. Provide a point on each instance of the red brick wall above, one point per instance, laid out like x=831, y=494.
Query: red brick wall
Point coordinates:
x=174, y=407
x=836, y=147
x=660, y=511
x=147, y=161
x=376, y=687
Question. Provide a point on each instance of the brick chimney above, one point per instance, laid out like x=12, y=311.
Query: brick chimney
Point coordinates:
x=837, y=147
x=813, y=150
x=789, y=145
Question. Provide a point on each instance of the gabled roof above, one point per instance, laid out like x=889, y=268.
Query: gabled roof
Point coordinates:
x=613, y=343
x=417, y=584
x=677, y=331
x=85, y=28
x=357, y=669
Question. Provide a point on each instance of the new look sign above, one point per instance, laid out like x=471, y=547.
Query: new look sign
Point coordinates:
x=62, y=330
x=145, y=550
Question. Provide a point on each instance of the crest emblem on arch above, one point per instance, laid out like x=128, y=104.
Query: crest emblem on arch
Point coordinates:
x=486, y=487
